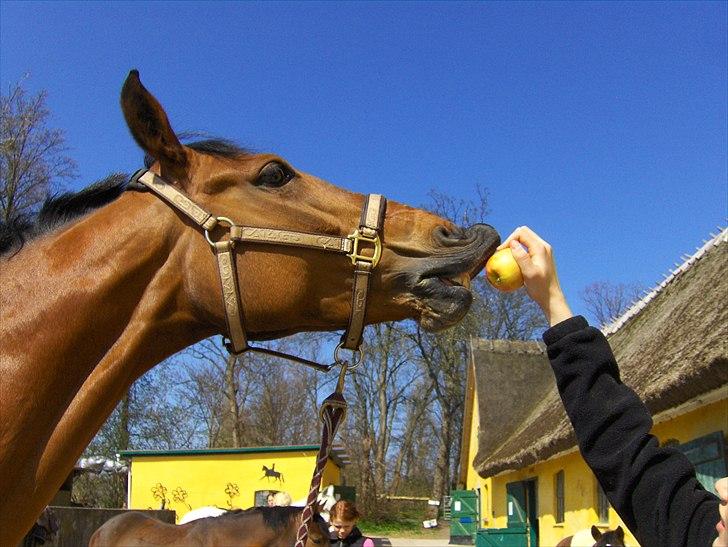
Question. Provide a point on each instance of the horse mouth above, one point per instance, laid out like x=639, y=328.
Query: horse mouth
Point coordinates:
x=442, y=299
x=442, y=288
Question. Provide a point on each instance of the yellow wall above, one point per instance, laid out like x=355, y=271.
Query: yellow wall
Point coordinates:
x=473, y=481
x=700, y=422
x=580, y=486
x=580, y=495
x=197, y=480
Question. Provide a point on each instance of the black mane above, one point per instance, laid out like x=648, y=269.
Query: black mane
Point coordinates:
x=277, y=518
x=62, y=208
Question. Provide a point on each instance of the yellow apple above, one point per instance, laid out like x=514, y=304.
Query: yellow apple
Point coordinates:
x=503, y=272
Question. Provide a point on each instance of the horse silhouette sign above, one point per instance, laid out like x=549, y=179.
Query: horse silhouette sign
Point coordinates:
x=271, y=472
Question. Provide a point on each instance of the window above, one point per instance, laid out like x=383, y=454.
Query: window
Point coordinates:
x=559, y=496
x=602, y=504
x=708, y=455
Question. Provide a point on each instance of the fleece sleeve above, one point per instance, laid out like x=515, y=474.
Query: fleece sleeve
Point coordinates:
x=652, y=488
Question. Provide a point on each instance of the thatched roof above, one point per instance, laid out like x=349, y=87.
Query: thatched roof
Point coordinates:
x=671, y=347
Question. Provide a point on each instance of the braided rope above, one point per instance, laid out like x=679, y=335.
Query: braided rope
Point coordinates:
x=333, y=410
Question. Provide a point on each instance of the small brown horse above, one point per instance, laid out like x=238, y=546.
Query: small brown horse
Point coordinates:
x=594, y=538
x=257, y=527
x=120, y=280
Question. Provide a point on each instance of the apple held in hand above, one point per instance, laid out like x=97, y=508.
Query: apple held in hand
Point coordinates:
x=503, y=272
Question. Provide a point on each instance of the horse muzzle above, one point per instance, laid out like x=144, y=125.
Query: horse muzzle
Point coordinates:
x=441, y=282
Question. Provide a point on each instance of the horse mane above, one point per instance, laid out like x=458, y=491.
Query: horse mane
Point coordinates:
x=62, y=208
x=277, y=518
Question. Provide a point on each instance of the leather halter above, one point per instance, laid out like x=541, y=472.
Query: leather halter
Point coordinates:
x=352, y=246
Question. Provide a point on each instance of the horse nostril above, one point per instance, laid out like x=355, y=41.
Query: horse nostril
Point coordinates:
x=444, y=233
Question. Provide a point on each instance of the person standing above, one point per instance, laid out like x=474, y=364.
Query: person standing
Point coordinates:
x=270, y=499
x=344, y=532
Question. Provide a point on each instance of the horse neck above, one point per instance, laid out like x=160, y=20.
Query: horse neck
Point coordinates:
x=90, y=290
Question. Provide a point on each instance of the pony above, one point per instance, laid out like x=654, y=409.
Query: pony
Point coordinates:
x=257, y=527
x=594, y=538
x=114, y=280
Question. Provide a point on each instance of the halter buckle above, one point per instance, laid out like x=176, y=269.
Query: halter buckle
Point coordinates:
x=356, y=237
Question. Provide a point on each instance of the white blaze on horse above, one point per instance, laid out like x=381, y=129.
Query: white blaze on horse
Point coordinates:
x=113, y=281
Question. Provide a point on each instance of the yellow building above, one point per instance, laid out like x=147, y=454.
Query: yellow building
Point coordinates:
x=518, y=449
x=229, y=478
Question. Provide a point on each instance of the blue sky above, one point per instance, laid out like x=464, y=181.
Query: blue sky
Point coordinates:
x=601, y=125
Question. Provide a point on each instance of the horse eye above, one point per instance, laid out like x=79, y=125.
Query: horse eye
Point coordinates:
x=274, y=175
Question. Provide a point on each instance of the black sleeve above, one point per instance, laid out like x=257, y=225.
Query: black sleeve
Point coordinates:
x=653, y=489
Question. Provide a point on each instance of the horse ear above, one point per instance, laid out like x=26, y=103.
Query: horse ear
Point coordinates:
x=150, y=127
x=596, y=534
x=620, y=533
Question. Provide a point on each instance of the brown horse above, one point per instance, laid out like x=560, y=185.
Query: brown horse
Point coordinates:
x=96, y=300
x=594, y=538
x=257, y=527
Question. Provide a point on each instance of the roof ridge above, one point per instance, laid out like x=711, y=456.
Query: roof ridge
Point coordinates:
x=637, y=306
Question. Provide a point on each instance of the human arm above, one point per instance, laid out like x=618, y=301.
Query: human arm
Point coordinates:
x=652, y=488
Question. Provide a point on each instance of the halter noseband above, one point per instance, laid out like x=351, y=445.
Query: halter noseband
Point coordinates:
x=352, y=246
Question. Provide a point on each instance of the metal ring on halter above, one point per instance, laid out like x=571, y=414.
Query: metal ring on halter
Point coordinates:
x=220, y=220
x=357, y=355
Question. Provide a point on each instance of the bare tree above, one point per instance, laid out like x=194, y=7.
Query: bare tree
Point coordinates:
x=378, y=391
x=254, y=399
x=221, y=387
x=605, y=301
x=32, y=156
x=407, y=467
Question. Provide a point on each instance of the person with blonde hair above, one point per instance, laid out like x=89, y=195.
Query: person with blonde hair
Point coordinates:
x=281, y=499
x=344, y=533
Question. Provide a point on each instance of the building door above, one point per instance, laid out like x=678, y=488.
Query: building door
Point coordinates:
x=464, y=517
x=522, y=507
x=708, y=456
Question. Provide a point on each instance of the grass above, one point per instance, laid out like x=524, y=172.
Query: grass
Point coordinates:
x=402, y=527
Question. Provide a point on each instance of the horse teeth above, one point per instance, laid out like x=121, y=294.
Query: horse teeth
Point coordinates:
x=453, y=280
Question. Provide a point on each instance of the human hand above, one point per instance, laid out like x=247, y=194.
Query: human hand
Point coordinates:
x=539, y=273
x=721, y=487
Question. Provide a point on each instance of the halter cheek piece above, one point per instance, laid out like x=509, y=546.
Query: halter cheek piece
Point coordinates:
x=365, y=238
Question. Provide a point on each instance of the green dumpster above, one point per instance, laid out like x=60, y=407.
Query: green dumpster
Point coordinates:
x=513, y=536
x=464, y=516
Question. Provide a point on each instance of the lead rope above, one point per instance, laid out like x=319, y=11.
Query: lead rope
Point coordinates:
x=333, y=411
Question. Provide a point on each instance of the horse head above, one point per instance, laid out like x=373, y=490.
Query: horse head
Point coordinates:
x=426, y=261
x=610, y=538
